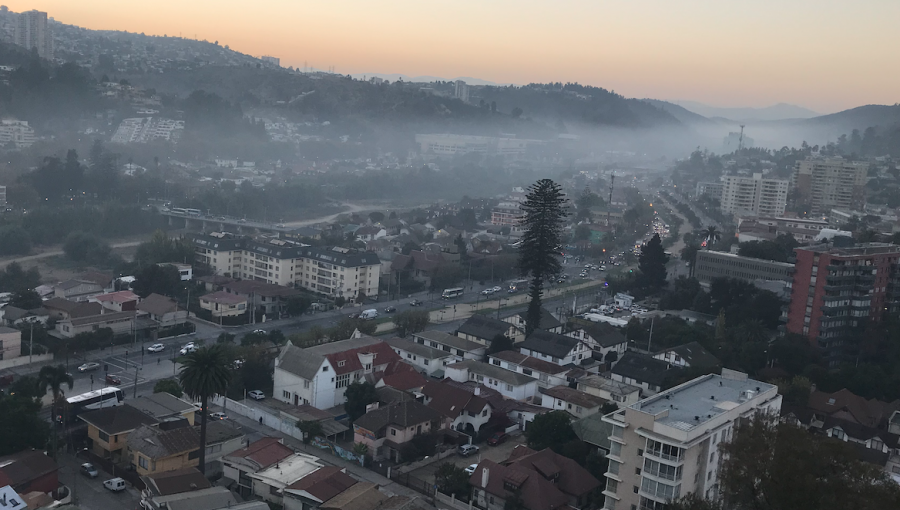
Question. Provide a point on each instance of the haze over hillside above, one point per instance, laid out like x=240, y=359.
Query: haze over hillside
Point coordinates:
x=780, y=111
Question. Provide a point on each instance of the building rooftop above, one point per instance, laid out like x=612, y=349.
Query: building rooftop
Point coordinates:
x=551, y=344
x=692, y=404
x=288, y=471
x=117, y=419
x=161, y=405
x=574, y=396
x=448, y=340
x=416, y=348
x=484, y=327
x=858, y=250
x=486, y=369
x=263, y=452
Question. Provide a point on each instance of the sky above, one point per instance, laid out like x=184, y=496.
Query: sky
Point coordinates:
x=826, y=55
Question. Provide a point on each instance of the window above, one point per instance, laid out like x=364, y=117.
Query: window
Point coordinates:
x=286, y=394
x=343, y=381
x=495, y=361
x=578, y=409
x=636, y=489
x=509, y=387
x=709, y=476
x=341, y=363
x=393, y=432
x=712, y=457
x=142, y=461
x=484, y=412
x=325, y=368
x=305, y=385
x=425, y=361
x=637, y=471
x=103, y=436
x=194, y=454
x=611, y=485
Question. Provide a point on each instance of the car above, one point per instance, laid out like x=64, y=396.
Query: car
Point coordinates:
x=156, y=348
x=238, y=363
x=415, y=302
x=487, y=292
x=603, y=268
x=113, y=379
x=87, y=367
x=259, y=332
x=466, y=450
x=218, y=416
x=187, y=349
x=390, y=309
x=471, y=469
x=496, y=289
x=498, y=438
x=256, y=395
x=88, y=470
x=561, y=280
x=115, y=484
x=353, y=316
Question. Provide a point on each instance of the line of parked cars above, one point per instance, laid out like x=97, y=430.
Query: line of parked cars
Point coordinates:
x=492, y=290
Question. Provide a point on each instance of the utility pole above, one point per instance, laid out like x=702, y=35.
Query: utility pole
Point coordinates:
x=650, y=339
x=134, y=394
x=612, y=180
x=31, y=342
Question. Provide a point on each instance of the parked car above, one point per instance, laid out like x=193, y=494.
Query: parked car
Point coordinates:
x=487, y=292
x=466, y=450
x=415, y=302
x=218, y=416
x=87, y=367
x=471, y=469
x=237, y=364
x=113, y=379
x=496, y=289
x=259, y=332
x=88, y=470
x=256, y=395
x=115, y=484
x=156, y=348
x=498, y=438
x=187, y=349
x=390, y=309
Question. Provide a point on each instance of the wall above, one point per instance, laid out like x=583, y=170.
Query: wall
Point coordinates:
x=103, y=448
x=23, y=360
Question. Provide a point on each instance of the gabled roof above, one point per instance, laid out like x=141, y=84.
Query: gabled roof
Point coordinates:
x=323, y=483
x=263, y=453
x=176, y=482
x=548, y=321
x=449, y=340
x=531, y=362
x=593, y=430
x=158, y=444
x=574, y=396
x=402, y=414
x=604, y=334
x=571, y=478
x=117, y=419
x=122, y=296
x=451, y=401
x=25, y=466
x=694, y=354
x=157, y=304
x=551, y=344
x=609, y=385
x=343, y=356
x=161, y=405
x=484, y=327
x=493, y=371
x=402, y=376
x=537, y=493
x=222, y=297
x=872, y=413
x=360, y=496
x=74, y=309
x=416, y=348
x=96, y=277
x=104, y=318
x=643, y=368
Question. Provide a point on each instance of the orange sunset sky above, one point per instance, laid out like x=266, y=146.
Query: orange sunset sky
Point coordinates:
x=826, y=55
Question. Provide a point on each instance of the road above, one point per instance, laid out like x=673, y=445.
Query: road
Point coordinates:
x=53, y=252
x=351, y=208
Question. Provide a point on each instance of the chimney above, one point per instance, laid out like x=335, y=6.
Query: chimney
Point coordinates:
x=477, y=391
x=485, y=476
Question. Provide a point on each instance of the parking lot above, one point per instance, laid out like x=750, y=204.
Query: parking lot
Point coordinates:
x=495, y=453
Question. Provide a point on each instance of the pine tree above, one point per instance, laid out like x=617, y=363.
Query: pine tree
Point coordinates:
x=543, y=222
x=652, y=263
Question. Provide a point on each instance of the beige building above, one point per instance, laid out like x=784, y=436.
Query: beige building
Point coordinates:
x=154, y=450
x=223, y=304
x=754, y=195
x=33, y=32
x=831, y=184
x=667, y=446
x=10, y=343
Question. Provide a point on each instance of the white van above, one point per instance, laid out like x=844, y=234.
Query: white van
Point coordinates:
x=115, y=484
x=369, y=314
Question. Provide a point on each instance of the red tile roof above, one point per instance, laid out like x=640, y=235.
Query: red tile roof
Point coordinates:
x=450, y=400
x=537, y=492
x=402, y=376
x=324, y=483
x=383, y=354
x=264, y=452
x=571, y=478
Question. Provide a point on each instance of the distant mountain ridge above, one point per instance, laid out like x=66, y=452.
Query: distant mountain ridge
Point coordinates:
x=426, y=79
x=780, y=111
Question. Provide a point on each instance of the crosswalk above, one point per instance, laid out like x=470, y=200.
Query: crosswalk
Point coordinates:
x=125, y=368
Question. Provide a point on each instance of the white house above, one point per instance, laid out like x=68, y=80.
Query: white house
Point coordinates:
x=428, y=360
x=577, y=403
x=462, y=348
x=520, y=321
x=621, y=393
x=509, y=384
x=691, y=354
x=319, y=375
x=603, y=338
x=462, y=410
x=556, y=348
x=269, y=483
x=548, y=374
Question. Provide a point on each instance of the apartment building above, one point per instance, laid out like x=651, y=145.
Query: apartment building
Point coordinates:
x=666, y=446
x=828, y=184
x=147, y=129
x=754, y=195
x=836, y=290
x=33, y=32
x=716, y=264
x=335, y=272
x=2, y=196
x=16, y=132
x=450, y=144
x=507, y=214
x=711, y=189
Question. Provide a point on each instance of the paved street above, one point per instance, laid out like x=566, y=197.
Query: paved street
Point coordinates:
x=90, y=494
x=495, y=453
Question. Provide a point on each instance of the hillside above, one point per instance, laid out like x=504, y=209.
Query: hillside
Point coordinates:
x=778, y=111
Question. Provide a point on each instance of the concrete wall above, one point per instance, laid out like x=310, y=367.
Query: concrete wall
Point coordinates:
x=23, y=360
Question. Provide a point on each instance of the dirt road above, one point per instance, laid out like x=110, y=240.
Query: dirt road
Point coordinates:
x=57, y=250
x=351, y=208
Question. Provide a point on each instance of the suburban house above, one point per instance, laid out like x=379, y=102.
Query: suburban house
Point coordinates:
x=483, y=329
x=364, y=496
x=316, y=488
x=61, y=309
x=319, y=375
x=108, y=429
x=689, y=355
x=121, y=301
x=165, y=407
x=421, y=265
x=556, y=348
x=428, y=360
x=400, y=376
x=222, y=438
x=462, y=348
x=10, y=343
x=269, y=483
x=223, y=304
x=370, y=233
x=386, y=429
x=15, y=316
x=577, y=403
x=77, y=290
x=603, y=338
x=265, y=298
x=256, y=456
x=544, y=481
x=548, y=374
x=509, y=384
x=30, y=471
x=520, y=321
x=154, y=449
x=643, y=371
x=846, y=405
x=209, y=498
x=119, y=322
x=619, y=392
x=167, y=483
x=462, y=410
x=163, y=310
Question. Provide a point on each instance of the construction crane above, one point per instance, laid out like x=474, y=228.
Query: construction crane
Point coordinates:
x=741, y=139
x=612, y=179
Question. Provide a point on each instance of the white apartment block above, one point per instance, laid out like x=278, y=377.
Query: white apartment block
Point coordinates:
x=831, y=184
x=147, y=129
x=33, y=32
x=449, y=144
x=754, y=195
x=335, y=272
x=17, y=132
x=667, y=446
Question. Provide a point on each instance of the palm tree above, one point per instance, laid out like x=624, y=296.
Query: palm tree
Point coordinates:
x=205, y=373
x=54, y=378
x=712, y=235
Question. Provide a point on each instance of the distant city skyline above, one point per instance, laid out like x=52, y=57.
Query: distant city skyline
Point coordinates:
x=825, y=56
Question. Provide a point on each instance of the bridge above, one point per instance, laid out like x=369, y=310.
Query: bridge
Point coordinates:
x=206, y=222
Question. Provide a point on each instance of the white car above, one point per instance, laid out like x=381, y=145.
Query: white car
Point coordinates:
x=256, y=395
x=187, y=349
x=218, y=416
x=487, y=292
x=87, y=367
x=470, y=469
x=496, y=289
x=156, y=348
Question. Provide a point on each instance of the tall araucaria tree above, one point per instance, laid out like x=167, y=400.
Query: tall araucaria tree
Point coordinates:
x=545, y=214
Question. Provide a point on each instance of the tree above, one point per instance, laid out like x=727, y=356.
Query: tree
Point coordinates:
x=411, y=321
x=514, y=501
x=14, y=241
x=87, y=248
x=157, y=279
x=297, y=306
x=516, y=112
x=310, y=429
x=359, y=395
x=53, y=379
x=13, y=278
x=452, y=480
x=711, y=234
x=204, y=374
x=21, y=426
x=500, y=343
x=169, y=386
x=550, y=430
x=25, y=299
x=543, y=219
x=582, y=233
x=376, y=216
x=652, y=263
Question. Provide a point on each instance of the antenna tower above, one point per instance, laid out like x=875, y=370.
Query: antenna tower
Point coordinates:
x=612, y=179
x=741, y=139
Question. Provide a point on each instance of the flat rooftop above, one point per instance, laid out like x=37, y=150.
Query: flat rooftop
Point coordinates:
x=696, y=402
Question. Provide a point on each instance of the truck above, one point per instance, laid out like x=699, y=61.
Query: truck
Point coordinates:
x=612, y=321
x=368, y=314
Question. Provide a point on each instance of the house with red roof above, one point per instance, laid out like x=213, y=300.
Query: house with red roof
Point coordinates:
x=257, y=456
x=318, y=376
x=462, y=410
x=317, y=488
x=400, y=376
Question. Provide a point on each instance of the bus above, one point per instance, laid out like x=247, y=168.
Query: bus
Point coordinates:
x=452, y=293
x=193, y=212
x=178, y=210
x=97, y=399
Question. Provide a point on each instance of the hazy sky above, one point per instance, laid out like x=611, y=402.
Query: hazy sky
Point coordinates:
x=826, y=55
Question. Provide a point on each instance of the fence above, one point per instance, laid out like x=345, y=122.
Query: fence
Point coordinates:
x=414, y=483
x=336, y=450
x=412, y=466
x=23, y=360
x=451, y=502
